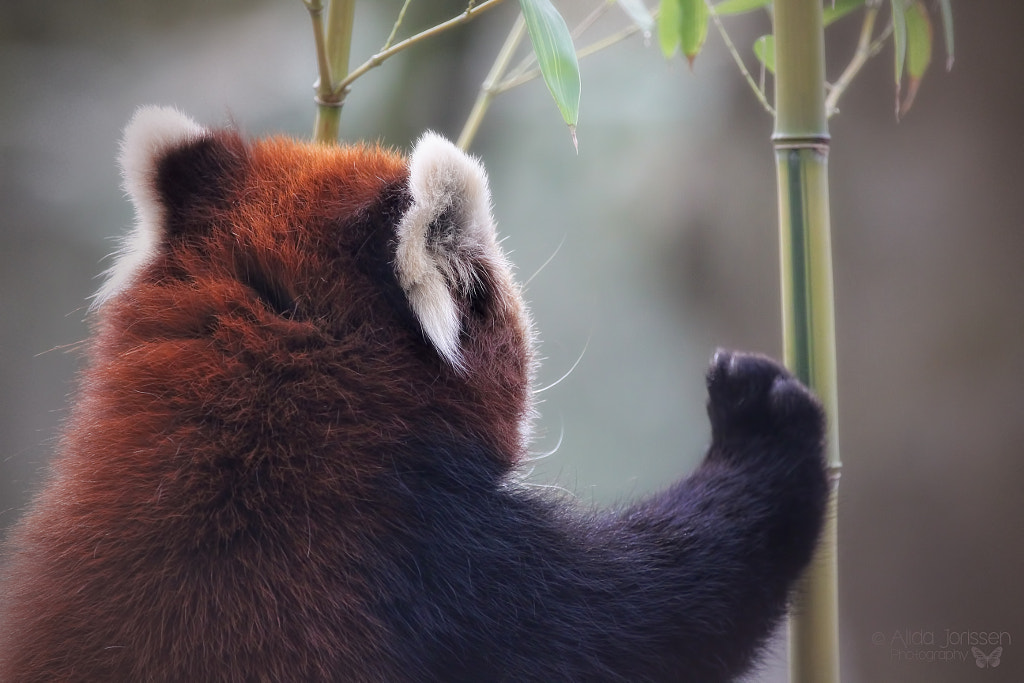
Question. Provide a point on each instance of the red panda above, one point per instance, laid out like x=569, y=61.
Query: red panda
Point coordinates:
x=290, y=458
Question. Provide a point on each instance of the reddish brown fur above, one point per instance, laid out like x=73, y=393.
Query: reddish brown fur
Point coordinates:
x=206, y=421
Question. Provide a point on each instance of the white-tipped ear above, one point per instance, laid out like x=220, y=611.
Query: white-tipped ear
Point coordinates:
x=443, y=238
x=152, y=132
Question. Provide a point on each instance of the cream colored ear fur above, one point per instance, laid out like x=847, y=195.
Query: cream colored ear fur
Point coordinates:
x=152, y=132
x=444, y=238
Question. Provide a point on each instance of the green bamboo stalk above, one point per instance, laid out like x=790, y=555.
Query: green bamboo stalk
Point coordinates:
x=337, y=36
x=801, y=142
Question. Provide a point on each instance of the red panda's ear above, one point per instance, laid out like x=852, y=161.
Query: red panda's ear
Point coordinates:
x=444, y=239
x=172, y=168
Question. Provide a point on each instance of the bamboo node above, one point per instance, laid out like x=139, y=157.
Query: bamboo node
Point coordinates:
x=820, y=141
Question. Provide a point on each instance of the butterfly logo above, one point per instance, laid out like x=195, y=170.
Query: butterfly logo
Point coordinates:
x=983, y=660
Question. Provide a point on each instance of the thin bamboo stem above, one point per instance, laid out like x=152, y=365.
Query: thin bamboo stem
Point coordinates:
x=866, y=49
x=520, y=76
x=489, y=88
x=606, y=42
x=398, y=23
x=522, y=73
x=758, y=90
x=376, y=60
x=801, y=142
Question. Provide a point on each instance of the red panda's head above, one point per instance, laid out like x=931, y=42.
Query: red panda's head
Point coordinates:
x=294, y=287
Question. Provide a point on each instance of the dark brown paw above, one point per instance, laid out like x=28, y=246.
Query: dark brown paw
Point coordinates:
x=753, y=396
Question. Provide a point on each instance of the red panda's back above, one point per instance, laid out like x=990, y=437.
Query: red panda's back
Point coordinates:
x=218, y=507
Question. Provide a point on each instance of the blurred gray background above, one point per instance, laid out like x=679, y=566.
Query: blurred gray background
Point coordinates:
x=664, y=242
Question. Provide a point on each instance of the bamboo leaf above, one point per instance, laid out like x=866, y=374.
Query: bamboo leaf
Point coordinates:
x=839, y=9
x=947, y=27
x=728, y=7
x=693, y=27
x=637, y=11
x=899, y=39
x=764, y=49
x=919, y=50
x=556, y=57
x=919, y=40
x=669, y=15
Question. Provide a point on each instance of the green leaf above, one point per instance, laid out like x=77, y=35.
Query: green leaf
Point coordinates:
x=693, y=27
x=556, y=57
x=728, y=7
x=919, y=40
x=637, y=11
x=947, y=28
x=839, y=9
x=899, y=39
x=669, y=15
x=764, y=49
x=919, y=50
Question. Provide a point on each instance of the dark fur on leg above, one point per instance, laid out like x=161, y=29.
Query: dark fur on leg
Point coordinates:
x=495, y=583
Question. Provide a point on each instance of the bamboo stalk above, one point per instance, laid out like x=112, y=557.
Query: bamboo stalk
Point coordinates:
x=801, y=142
x=337, y=44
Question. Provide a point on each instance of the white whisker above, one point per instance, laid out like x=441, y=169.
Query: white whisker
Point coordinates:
x=534, y=457
x=567, y=372
x=545, y=264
